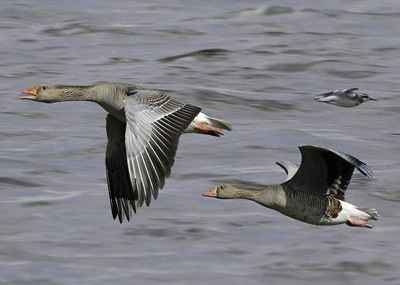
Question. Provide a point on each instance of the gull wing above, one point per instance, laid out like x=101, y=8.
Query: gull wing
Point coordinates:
x=336, y=92
x=350, y=90
x=326, y=171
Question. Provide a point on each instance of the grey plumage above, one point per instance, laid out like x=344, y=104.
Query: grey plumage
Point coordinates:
x=326, y=171
x=289, y=167
x=344, y=98
x=143, y=130
x=315, y=194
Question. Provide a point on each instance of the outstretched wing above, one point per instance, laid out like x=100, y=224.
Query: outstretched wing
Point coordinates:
x=122, y=196
x=289, y=167
x=326, y=171
x=350, y=92
x=155, y=122
x=337, y=93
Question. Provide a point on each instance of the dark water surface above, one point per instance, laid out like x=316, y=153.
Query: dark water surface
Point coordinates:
x=256, y=64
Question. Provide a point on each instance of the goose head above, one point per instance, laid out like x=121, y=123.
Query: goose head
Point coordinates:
x=225, y=191
x=55, y=93
x=41, y=93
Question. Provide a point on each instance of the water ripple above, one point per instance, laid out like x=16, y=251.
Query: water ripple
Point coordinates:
x=200, y=54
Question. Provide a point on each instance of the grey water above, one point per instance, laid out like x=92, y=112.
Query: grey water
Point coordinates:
x=256, y=64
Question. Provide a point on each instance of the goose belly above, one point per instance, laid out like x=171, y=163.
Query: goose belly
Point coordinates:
x=313, y=209
x=305, y=214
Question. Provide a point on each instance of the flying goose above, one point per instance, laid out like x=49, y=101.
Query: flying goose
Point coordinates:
x=315, y=193
x=344, y=98
x=143, y=130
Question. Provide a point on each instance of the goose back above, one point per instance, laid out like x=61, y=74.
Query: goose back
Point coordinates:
x=325, y=171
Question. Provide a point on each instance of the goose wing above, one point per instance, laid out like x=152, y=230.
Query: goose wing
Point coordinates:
x=122, y=196
x=155, y=122
x=289, y=167
x=326, y=171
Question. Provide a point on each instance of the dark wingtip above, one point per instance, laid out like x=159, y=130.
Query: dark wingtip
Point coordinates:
x=365, y=170
x=280, y=164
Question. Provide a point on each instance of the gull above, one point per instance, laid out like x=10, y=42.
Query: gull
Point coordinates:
x=344, y=98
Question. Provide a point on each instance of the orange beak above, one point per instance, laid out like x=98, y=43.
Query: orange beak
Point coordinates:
x=31, y=91
x=210, y=193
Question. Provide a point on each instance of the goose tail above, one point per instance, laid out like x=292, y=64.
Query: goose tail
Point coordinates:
x=203, y=124
x=373, y=213
x=220, y=124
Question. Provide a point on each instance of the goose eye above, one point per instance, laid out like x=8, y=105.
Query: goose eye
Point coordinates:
x=44, y=87
x=222, y=187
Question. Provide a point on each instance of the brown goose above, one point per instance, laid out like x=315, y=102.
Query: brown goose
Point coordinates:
x=315, y=193
x=143, y=130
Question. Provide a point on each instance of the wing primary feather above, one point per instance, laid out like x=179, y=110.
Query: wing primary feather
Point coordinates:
x=152, y=172
x=155, y=123
x=144, y=180
x=139, y=185
x=160, y=155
